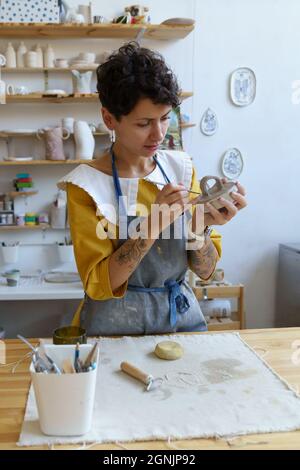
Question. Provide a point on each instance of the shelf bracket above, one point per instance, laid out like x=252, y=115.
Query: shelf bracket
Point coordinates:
x=140, y=35
x=46, y=80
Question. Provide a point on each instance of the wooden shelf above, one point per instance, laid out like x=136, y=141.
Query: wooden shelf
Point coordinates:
x=39, y=98
x=71, y=31
x=210, y=291
x=72, y=98
x=187, y=126
x=25, y=227
x=45, y=162
x=222, y=324
x=45, y=69
x=5, y=135
x=15, y=194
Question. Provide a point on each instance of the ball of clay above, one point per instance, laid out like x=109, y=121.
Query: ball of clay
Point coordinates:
x=169, y=350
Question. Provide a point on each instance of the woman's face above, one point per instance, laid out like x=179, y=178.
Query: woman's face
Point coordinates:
x=142, y=131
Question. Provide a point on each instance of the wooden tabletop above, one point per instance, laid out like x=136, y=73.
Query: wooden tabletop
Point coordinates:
x=275, y=345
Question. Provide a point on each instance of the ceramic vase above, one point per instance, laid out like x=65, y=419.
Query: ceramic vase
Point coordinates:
x=84, y=141
x=81, y=81
x=53, y=139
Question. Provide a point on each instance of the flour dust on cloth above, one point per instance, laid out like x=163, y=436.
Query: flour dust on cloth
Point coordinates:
x=100, y=186
x=220, y=387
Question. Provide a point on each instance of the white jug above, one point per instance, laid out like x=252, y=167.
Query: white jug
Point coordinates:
x=2, y=92
x=81, y=81
x=84, y=140
x=11, y=58
x=22, y=50
x=49, y=57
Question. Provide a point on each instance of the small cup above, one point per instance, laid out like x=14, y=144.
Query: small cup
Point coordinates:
x=88, y=56
x=12, y=277
x=31, y=59
x=69, y=335
x=20, y=219
x=68, y=123
x=61, y=63
x=99, y=19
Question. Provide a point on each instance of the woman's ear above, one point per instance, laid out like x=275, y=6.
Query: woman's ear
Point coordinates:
x=108, y=119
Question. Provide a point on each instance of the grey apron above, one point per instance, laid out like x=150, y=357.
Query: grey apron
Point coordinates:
x=158, y=298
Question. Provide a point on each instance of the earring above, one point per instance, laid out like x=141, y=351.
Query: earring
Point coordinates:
x=112, y=136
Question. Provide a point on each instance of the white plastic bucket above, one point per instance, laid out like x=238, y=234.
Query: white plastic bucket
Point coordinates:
x=65, y=253
x=10, y=254
x=65, y=402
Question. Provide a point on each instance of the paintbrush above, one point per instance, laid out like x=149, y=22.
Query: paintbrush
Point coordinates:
x=91, y=356
x=185, y=189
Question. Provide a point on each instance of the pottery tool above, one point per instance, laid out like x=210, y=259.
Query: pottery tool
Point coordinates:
x=91, y=358
x=54, y=367
x=38, y=362
x=147, y=379
x=169, y=350
x=68, y=367
x=76, y=359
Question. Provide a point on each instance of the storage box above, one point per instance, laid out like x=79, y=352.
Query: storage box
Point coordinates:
x=29, y=11
x=65, y=402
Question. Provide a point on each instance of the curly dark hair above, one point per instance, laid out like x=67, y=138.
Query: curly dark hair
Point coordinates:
x=134, y=72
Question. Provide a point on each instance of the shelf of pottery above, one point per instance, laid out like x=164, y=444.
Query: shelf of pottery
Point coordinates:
x=69, y=141
x=82, y=68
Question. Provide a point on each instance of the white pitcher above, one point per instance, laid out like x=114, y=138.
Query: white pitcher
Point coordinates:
x=84, y=140
x=82, y=81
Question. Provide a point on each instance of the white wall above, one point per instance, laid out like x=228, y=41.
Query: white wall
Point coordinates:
x=262, y=35
x=265, y=36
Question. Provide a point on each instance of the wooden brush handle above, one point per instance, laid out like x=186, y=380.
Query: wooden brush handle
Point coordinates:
x=136, y=373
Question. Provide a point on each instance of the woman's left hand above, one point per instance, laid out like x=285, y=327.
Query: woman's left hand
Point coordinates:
x=230, y=209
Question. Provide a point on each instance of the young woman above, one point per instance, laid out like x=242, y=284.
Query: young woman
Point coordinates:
x=135, y=284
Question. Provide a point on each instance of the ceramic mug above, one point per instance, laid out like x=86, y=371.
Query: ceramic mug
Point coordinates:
x=61, y=63
x=16, y=90
x=12, y=277
x=68, y=124
x=88, y=56
x=100, y=19
x=31, y=59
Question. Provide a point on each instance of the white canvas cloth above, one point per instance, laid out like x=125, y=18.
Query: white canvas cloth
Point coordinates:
x=220, y=387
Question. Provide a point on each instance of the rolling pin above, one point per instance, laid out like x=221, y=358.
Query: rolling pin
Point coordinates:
x=138, y=374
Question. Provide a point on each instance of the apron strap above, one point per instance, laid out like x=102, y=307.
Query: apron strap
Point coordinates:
x=178, y=301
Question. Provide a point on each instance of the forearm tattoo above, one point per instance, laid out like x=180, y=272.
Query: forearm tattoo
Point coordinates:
x=132, y=252
x=203, y=261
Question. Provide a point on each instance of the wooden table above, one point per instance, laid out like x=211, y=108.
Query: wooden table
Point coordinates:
x=275, y=345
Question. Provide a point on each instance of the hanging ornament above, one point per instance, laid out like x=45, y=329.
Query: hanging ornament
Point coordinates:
x=209, y=122
x=243, y=87
x=232, y=164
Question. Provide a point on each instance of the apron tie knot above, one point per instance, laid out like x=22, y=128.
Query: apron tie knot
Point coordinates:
x=178, y=301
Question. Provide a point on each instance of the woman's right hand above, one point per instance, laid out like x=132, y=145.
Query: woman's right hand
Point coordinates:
x=169, y=205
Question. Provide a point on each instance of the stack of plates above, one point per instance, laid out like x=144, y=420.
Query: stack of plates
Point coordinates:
x=55, y=92
x=18, y=159
x=179, y=21
x=62, y=277
x=83, y=64
x=19, y=131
